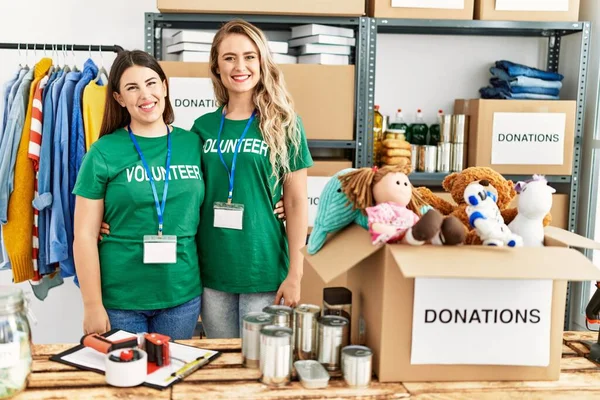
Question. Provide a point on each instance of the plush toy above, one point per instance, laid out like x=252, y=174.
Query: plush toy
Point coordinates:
x=333, y=213
x=456, y=184
x=393, y=208
x=534, y=205
x=485, y=217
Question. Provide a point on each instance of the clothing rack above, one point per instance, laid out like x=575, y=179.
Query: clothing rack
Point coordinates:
x=62, y=47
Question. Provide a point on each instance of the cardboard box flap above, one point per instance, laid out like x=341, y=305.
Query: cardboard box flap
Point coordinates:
x=556, y=263
x=570, y=239
x=341, y=252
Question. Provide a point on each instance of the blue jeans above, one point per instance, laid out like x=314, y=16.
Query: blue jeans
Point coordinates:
x=514, y=69
x=223, y=312
x=176, y=322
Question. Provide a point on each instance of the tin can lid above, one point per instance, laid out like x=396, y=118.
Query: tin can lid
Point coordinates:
x=276, y=331
x=357, y=351
x=277, y=309
x=333, y=320
x=307, y=309
x=258, y=318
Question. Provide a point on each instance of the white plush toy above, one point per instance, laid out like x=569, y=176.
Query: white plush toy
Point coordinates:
x=535, y=201
x=484, y=215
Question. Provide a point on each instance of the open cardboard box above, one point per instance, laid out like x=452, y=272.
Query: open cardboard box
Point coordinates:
x=389, y=282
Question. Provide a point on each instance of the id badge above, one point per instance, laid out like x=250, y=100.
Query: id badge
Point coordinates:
x=160, y=249
x=229, y=216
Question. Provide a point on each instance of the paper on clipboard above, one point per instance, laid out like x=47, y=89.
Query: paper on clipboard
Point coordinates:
x=87, y=358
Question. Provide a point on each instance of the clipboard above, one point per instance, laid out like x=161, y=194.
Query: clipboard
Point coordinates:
x=87, y=359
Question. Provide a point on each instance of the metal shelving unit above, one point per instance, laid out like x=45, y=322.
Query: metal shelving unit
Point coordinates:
x=435, y=179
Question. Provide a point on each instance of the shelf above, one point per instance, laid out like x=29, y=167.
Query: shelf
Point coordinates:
x=475, y=27
x=435, y=179
x=332, y=144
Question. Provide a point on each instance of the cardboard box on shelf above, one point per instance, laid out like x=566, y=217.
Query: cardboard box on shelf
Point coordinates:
x=520, y=137
x=325, y=102
x=527, y=10
x=424, y=308
x=422, y=9
x=350, y=8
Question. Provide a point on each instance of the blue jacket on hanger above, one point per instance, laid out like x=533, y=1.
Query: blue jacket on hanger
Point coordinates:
x=5, y=93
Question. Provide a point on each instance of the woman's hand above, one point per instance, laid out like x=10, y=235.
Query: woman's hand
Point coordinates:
x=280, y=209
x=289, y=291
x=104, y=230
x=95, y=320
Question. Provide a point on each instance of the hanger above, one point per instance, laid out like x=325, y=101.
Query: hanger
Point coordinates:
x=75, y=69
x=102, y=70
x=66, y=66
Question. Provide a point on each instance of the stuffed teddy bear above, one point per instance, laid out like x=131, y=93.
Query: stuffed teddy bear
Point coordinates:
x=485, y=217
x=333, y=213
x=393, y=208
x=534, y=205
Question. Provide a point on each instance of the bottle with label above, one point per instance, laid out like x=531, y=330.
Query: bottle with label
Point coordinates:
x=434, y=130
x=377, y=134
x=400, y=124
x=419, y=130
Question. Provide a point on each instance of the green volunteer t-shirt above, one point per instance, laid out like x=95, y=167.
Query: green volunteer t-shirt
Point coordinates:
x=112, y=170
x=255, y=259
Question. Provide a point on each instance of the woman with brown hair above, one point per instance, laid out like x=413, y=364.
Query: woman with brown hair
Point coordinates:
x=144, y=177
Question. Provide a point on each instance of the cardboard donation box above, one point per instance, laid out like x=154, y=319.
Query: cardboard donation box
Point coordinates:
x=318, y=176
x=527, y=10
x=520, y=137
x=422, y=9
x=465, y=313
x=325, y=102
x=348, y=8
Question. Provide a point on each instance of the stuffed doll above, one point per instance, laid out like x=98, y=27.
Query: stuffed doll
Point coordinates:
x=333, y=213
x=534, y=204
x=394, y=210
x=485, y=216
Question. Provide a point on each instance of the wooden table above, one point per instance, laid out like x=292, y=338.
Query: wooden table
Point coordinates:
x=225, y=378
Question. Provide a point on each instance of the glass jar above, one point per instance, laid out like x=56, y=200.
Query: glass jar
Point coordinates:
x=15, y=342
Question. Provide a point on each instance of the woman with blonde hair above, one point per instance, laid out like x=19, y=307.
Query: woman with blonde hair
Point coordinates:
x=254, y=147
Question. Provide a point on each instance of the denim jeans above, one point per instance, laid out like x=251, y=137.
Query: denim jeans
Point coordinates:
x=176, y=322
x=524, y=81
x=523, y=89
x=514, y=69
x=223, y=312
x=498, y=93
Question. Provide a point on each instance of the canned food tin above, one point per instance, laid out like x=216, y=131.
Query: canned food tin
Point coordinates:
x=356, y=365
x=275, y=355
x=306, y=317
x=458, y=157
x=252, y=323
x=427, y=159
x=446, y=128
x=333, y=336
x=459, y=128
x=444, y=157
x=282, y=315
x=414, y=156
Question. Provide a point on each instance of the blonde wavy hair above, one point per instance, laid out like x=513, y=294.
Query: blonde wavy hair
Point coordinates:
x=278, y=121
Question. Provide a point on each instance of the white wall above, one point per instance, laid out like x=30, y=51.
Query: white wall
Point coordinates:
x=71, y=22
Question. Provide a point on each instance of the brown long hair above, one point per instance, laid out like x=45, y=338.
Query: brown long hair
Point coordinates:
x=115, y=116
x=358, y=186
x=278, y=122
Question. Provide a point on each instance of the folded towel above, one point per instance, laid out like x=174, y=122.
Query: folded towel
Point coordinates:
x=498, y=83
x=524, y=80
x=499, y=93
x=513, y=70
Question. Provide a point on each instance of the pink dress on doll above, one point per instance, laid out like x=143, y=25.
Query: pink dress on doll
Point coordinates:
x=391, y=214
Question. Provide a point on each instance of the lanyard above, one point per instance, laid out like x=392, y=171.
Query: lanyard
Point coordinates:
x=160, y=208
x=231, y=174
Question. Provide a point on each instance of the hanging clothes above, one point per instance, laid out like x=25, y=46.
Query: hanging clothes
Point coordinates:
x=18, y=229
x=94, y=103
x=5, y=93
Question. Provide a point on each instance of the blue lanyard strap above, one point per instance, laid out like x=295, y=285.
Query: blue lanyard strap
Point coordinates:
x=160, y=208
x=231, y=174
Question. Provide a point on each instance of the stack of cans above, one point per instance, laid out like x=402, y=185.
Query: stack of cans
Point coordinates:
x=459, y=137
x=444, y=147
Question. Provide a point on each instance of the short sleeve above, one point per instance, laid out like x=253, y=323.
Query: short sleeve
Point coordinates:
x=93, y=176
x=376, y=214
x=303, y=158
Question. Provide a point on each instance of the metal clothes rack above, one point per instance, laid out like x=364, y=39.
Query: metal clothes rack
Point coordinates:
x=61, y=47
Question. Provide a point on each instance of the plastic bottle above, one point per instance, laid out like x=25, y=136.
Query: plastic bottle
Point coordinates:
x=377, y=135
x=419, y=130
x=434, y=130
x=400, y=124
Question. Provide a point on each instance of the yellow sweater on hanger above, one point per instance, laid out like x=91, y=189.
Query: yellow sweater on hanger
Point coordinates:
x=94, y=99
x=18, y=231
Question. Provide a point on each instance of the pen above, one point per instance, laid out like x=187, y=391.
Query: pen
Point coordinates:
x=188, y=368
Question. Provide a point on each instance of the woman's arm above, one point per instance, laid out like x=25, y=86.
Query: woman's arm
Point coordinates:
x=295, y=202
x=88, y=217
